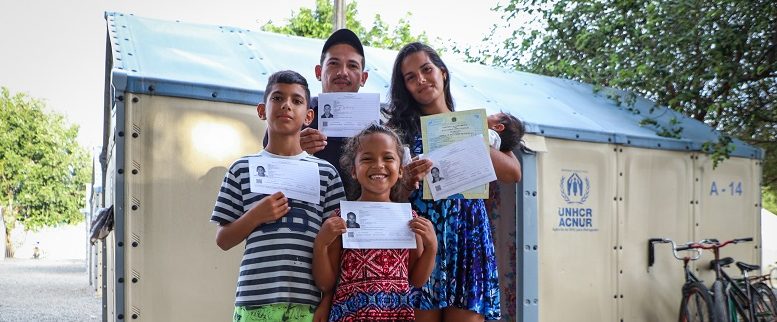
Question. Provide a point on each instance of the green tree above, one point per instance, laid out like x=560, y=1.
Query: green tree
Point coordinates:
x=317, y=23
x=43, y=170
x=713, y=60
x=769, y=199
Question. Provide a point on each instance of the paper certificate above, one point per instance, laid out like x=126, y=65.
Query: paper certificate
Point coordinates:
x=296, y=179
x=377, y=225
x=443, y=129
x=460, y=166
x=346, y=114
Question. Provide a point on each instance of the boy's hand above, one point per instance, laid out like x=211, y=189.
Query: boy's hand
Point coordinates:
x=270, y=208
x=312, y=140
x=322, y=311
x=424, y=228
x=414, y=172
x=331, y=229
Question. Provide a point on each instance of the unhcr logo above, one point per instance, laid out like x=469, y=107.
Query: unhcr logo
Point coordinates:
x=575, y=190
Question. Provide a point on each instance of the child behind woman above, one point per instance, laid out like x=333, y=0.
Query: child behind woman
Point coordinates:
x=505, y=131
x=372, y=284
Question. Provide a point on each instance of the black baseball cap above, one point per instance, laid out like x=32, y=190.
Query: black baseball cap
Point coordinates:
x=343, y=36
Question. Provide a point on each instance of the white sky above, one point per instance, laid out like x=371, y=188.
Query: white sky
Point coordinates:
x=55, y=50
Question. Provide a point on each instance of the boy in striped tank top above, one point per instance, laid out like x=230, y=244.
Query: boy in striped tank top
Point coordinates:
x=275, y=281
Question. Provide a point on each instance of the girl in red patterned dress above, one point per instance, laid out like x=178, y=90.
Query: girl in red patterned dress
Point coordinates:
x=372, y=284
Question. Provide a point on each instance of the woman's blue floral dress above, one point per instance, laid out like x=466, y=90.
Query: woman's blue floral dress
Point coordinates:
x=465, y=274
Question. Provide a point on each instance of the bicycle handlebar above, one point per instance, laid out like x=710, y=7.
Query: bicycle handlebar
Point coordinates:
x=714, y=243
x=675, y=249
x=692, y=246
x=651, y=251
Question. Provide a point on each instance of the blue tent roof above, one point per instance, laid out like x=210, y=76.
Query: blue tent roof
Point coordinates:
x=220, y=63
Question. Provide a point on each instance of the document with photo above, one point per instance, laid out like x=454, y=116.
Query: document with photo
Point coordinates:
x=346, y=114
x=296, y=179
x=440, y=130
x=459, y=166
x=377, y=225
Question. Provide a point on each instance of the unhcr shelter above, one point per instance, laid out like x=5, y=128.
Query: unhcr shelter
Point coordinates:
x=571, y=237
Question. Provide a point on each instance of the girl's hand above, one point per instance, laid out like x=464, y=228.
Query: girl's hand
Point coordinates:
x=331, y=229
x=424, y=228
x=322, y=311
x=414, y=172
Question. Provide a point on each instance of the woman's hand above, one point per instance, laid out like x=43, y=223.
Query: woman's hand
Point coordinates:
x=414, y=172
x=506, y=166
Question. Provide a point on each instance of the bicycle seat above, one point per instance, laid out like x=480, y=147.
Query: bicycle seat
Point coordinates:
x=747, y=267
x=723, y=262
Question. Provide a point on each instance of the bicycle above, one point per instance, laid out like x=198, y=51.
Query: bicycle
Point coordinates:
x=765, y=291
x=696, y=304
x=763, y=285
x=741, y=301
x=773, y=276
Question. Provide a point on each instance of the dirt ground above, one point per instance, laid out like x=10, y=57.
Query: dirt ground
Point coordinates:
x=47, y=290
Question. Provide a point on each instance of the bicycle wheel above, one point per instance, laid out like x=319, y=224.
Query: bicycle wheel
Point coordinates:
x=763, y=309
x=696, y=305
x=720, y=306
x=767, y=295
x=742, y=305
x=738, y=306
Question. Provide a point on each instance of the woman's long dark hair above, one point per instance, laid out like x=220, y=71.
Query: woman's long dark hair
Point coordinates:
x=403, y=111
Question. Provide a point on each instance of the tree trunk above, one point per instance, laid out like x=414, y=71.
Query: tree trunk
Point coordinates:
x=9, y=221
x=2, y=230
x=9, y=249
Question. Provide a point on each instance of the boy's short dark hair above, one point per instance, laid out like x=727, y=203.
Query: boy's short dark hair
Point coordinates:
x=512, y=135
x=287, y=77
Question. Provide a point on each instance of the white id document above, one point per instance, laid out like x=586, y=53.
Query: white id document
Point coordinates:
x=346, y=114
x=296, y=179
x=459, y=167
x=377, y=225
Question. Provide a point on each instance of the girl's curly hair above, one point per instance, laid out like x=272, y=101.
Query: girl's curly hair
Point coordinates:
x=348, y=159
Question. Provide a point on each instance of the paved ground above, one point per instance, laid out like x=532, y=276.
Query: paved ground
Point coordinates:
x=46, y=290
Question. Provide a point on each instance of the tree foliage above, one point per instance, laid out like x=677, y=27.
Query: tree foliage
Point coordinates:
x=769, y=199
x=43, y=170
x=713, y=60
x=318, y=22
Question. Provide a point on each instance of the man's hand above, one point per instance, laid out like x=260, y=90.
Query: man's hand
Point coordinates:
x=312, y=140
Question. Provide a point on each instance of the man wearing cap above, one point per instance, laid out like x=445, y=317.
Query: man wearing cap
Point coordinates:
x=341, y=69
